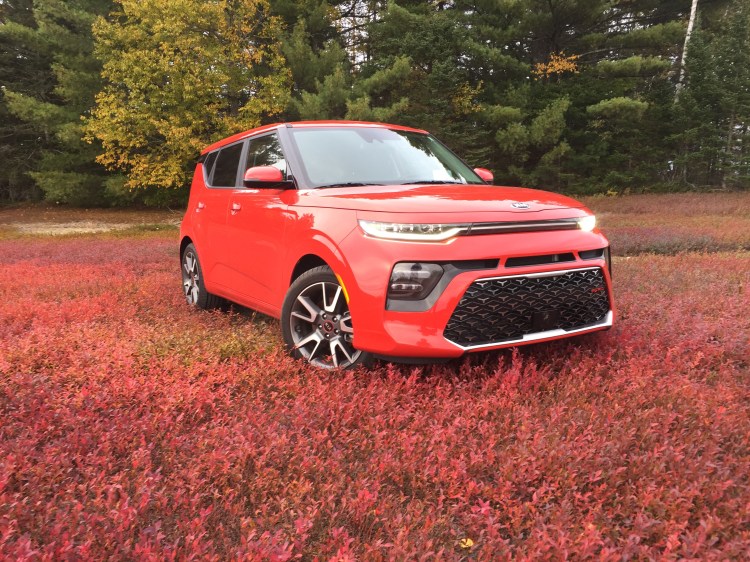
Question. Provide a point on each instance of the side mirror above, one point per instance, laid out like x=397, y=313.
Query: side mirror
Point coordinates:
x=485, y=174
x=265, y=176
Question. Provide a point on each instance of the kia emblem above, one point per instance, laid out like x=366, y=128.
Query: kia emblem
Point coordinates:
x=520, y=205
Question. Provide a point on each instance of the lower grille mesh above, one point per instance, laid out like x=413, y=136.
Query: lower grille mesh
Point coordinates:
x=507, y=309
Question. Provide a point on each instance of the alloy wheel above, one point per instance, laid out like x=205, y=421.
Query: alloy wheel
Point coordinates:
x=321, y=326
x=190, y=277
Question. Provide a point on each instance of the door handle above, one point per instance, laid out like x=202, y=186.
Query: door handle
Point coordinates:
x=200, y=206
x=236, y=207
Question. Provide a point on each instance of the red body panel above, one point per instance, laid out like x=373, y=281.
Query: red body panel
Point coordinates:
x=250, y=240
x=455, y=199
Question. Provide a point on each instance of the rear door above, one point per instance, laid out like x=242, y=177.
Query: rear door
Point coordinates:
x=256, y=228
x=211, y=213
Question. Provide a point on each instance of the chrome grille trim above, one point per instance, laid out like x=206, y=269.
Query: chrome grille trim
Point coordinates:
x=479, y=228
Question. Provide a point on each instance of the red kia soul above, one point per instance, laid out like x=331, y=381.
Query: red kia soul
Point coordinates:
x=373, y=240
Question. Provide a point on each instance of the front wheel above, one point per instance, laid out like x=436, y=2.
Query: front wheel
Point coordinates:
x=316, y=323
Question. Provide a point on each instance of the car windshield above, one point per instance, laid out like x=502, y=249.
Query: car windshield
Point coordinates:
x=350, y=156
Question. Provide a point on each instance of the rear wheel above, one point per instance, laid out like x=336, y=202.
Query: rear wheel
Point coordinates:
x=316, y=322
x=192, y=281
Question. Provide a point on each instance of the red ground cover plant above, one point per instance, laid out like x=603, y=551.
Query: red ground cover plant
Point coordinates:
x=134, y=428
x=675, y=222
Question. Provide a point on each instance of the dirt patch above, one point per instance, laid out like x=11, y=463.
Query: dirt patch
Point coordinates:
x=56, y=221
x=83, y=227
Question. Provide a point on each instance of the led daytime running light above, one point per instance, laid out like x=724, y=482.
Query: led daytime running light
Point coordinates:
x=587, y=223
x=415, y=232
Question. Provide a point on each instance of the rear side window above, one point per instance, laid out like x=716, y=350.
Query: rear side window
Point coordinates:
x=225, y=170
x=208, y=164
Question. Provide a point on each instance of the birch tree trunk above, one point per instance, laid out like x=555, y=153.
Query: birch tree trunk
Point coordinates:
x=691, y=23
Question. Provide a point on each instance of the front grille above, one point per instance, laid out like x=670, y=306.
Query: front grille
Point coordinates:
x=509, y=308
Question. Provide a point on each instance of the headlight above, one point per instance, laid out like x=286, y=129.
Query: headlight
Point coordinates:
x=415, y=232
x=587, y=223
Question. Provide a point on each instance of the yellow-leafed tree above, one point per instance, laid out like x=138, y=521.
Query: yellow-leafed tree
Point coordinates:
x=180, y=74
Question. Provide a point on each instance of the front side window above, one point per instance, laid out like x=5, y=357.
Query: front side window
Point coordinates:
x=266, y=151
x=377, y=156
x=227, y=163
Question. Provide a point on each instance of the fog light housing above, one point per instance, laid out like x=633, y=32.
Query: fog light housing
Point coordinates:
x=413, y=281
x=608, y=260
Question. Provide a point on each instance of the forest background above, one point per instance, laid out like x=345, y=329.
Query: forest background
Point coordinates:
x=110, y=102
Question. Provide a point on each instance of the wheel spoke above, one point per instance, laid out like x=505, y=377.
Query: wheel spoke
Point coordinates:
x=336, y=344
x=311, y=308
x=332, y=307
x=314, y=352
x=346, y=323
x=312, y=337
x=195, y=293
x=333, y=354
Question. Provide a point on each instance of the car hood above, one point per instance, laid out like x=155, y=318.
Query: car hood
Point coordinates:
x=426, y=198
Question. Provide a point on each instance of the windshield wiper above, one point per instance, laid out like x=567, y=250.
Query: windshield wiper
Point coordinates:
x=432, y=182
x=346, y=184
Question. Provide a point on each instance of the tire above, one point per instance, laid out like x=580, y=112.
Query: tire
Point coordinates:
x=192, y=281
x=316, y=323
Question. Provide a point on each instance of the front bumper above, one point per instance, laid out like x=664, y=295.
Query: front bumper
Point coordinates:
x=408, y=334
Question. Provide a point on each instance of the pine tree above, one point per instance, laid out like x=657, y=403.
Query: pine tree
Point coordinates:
x=66, y=169
x=613, y=58
x=316, y=57
x=713, y=110
x=24, y=68
x=732, y=56
x=418, y=75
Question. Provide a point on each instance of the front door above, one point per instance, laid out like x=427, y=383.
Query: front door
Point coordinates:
x=256, y=228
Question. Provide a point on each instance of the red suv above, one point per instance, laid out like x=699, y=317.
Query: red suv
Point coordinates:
x=374, y=240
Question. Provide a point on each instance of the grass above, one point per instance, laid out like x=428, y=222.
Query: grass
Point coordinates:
x=133, y=427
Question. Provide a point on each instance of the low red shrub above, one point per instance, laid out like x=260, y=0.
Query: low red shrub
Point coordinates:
x=675, y=222
x=135, y=428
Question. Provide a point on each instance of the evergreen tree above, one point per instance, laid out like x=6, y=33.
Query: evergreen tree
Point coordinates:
x=66, y=169
x=713, y=110
x=574, y=95
x=732, y=57
x=611, y=62
x=315, y=54
x=24, y=68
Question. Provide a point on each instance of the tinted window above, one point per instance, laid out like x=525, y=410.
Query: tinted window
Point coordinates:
x=266, y=151
x=208, y=163
x=225, y=170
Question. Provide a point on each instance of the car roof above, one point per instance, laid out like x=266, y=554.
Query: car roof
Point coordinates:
x=264, y=128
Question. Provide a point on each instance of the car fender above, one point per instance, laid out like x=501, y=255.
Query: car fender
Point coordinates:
x=319, y=244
